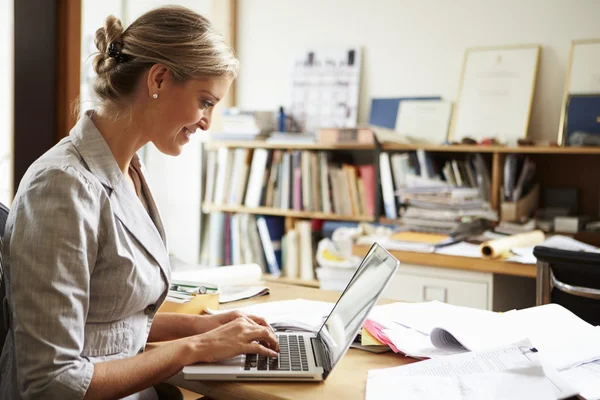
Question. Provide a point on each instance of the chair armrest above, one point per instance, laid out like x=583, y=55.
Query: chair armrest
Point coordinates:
x=575, y=290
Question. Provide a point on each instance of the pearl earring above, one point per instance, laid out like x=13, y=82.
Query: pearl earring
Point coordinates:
x=155, y=96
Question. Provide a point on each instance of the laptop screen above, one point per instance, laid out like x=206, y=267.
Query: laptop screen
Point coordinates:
x=348, y=315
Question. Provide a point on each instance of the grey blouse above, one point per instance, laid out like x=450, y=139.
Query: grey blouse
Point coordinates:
x=86, y=267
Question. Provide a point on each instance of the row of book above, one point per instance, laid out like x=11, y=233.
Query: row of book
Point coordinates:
x=235, y=238
x=289, y=180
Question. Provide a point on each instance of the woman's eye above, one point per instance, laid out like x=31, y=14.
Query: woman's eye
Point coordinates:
x=207, y=104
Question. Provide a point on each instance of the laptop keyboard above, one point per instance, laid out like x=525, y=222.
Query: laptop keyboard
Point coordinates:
x=292, y=356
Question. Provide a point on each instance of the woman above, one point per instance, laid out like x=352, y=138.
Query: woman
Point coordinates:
x=85, y=253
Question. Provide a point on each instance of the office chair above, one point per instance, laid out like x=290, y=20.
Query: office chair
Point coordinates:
x=571, y=279
x=3, y=328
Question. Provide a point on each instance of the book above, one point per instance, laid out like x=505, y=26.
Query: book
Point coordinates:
x=255, y=179
x=269, y=247
x=367, y=174
x=345, y=136
x=306, y=250
x=387, y=187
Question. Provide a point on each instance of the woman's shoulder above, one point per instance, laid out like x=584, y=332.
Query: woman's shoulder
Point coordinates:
x=59, y=169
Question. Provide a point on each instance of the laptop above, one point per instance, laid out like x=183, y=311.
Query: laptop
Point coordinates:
x=309, y=356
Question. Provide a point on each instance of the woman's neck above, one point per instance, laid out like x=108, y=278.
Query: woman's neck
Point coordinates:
x=123, y=139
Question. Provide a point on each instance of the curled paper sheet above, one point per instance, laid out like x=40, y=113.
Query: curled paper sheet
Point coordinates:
x=495, y=248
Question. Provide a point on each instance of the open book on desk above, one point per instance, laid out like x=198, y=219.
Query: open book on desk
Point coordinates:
x=434, y=329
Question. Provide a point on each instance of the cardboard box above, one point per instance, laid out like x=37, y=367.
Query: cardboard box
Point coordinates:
x=195, y=306
x=523, y=208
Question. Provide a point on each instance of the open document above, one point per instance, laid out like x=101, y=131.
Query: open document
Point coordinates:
x=432, y=329
x=509, y=372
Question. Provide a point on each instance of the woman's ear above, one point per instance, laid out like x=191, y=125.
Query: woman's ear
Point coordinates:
x=157, y=77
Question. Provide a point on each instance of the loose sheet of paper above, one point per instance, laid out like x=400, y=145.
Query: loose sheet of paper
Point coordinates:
x=298, y=314
x=586, y=379
x=509, y=372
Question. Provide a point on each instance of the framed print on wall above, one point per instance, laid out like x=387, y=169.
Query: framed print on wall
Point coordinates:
x=495, y=93
x=582, y=91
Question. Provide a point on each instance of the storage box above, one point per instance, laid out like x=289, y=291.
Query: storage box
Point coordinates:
x=197, y=305
x=523, y=208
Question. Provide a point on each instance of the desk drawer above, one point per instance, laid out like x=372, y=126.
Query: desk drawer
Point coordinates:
x=461, y=288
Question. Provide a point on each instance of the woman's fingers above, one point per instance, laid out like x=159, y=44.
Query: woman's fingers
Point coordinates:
x=262, y=334
x=257, y=348
x=259, y=320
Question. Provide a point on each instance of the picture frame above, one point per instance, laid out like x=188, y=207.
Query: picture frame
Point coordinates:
x=492, y=79
x=582, y=79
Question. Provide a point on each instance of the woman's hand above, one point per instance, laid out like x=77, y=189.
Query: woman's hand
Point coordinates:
x=240, y=335
x=211, y=322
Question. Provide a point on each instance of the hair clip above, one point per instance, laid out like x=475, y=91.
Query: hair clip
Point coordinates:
x=116, y=54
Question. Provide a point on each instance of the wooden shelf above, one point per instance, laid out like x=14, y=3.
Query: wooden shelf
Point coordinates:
x=492, y=149
x=286, y=213
x=409, y=147
x=454, y=262
x=289, y=146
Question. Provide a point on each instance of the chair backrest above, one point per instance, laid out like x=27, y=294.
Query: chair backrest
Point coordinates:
x=3, y=330
x=3, y=217
x=571, y=279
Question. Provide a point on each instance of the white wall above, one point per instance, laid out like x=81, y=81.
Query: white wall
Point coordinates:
x=410, y=47
x=6, y=100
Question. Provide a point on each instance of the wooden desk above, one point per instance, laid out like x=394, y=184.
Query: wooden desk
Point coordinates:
x=454, y=262
x=347, y=381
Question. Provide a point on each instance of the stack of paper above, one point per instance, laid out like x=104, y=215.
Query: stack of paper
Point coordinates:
x=509, y=372
x=434, y=330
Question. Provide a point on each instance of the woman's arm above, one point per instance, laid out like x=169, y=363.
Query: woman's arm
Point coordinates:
x=119, y=378
x=171, y=326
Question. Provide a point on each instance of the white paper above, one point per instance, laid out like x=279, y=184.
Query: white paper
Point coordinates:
x=496, y=94
x=416, y=344
x=229, y=275
x=586, y=379
x=424, y=317
x=228, y=294
x=461, y=249
x=510, y=372
x=585, y=75
x=298, y=314
x=562, y=338
x=425, y=120
x=525, y=255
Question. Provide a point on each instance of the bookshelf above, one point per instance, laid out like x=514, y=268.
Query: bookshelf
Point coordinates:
x=557, y=166
x=286, y=213
x=412, y=147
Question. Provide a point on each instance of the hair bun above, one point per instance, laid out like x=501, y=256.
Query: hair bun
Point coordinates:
x=112, y=31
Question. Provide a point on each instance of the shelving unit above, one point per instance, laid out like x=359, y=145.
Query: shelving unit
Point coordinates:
x=287, y=146
x=557, y=166
x=286, y=213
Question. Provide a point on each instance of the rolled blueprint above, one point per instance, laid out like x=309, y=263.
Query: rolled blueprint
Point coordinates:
x=495, y=248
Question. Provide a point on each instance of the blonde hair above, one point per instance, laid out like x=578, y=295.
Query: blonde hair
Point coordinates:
x=176, y=37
